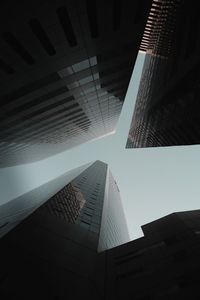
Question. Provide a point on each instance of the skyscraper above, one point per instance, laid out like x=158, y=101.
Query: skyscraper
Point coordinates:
x=167, y=107
x=65, y=67
x=92, y=201
x=87, y=196
x=54, y=252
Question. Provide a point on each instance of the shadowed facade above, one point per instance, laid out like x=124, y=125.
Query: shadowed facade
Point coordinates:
x=167, y=106
x=46, y=256
x=64, y=67
x=164, y=264
x=54, y=252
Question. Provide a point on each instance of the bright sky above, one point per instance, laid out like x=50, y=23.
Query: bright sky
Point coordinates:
x=153, y=182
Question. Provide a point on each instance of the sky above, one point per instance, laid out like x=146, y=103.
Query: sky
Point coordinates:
x=153, y=182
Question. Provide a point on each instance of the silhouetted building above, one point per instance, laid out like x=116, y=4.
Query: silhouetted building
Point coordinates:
x=54, y=252
x=65, y=67
x=167, y=107
x=46, y=256
x=164, y=264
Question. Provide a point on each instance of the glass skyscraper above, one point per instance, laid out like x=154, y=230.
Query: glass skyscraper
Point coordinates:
x=92, y=201
x=167, y=106
x=87, y=197
x=54, y=251
x=65, y=67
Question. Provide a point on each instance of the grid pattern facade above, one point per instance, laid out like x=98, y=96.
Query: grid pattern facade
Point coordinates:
x=92, y=184
x=66, y=204
x=81, y=201
x=92, y=201
x=114, y=230
x=102, y=213
x=65, y=67
x=14, y=211
x=167, y=107
x=159, y=35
